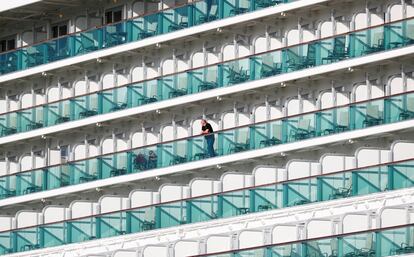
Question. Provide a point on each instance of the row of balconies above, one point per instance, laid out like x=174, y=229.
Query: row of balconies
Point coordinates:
x=386, y=110
x=316, y=53
x=131, y=30
x=295, y=185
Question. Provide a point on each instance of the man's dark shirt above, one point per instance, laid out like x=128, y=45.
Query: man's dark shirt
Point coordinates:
x=207, y=126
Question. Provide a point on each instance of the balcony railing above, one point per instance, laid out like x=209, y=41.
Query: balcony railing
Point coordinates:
x=381, y=242
x=325, y=187
x=255, y=67
x=350, y=117
x=130, y=30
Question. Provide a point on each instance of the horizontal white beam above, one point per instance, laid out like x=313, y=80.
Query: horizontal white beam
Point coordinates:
x=9, y=5
x=255, y=221
x=163, y=38
x=373, y=58
x=274, y=150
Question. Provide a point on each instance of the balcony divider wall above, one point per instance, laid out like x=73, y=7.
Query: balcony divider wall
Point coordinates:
x=319, y=52
x=131, y=30
x=325, y=187
x=386, y=110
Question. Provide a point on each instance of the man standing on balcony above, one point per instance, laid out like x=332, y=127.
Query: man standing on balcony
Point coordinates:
x=207, y=130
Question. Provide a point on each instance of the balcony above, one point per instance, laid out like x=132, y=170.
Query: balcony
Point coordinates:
x=320, y=188
x=131, y=30
x=389, y=241
x=255, y=67
x=295, y=128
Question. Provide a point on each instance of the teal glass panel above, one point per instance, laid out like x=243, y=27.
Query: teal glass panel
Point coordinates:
x=112, y=224
x=236, y=72
x=402, y=175
x=136, y=94
x=234, y=203
x=53, y=234
x=141, y=219
x=288, y=250
x=266, y=198
x=359, y=245
x=84, y=106
x=81, y=230
x=205, y=11
x=300, y=192
x=396, y=241
x=197, y=148
x=370, y=180
x=57, y=112
x=26, y=239
x=6, y=243
x=7, y=186
x=334, y=186
x=113, y=165
x=202, y=209
x=203, y=79
x=29, y=182
x=87, y=41
x=114, y=100
x=367, y=114
x=300, y=127
x=114, y=34
x=146, y=158
x=266, y=65
x=321, y=247
x=84, y=171
x=30, y=119
x=171, y=214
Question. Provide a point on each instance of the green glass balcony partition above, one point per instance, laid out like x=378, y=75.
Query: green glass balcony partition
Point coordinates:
x=389, y=241
x=230, y=73
x=351, y=117
x=325, y=187
x=130, y=30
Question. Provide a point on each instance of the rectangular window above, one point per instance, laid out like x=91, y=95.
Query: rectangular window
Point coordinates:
x=59, y=30
x=113, y=15
x=7, y=44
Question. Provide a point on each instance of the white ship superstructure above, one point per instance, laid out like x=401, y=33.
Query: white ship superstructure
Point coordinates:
x=101, y=144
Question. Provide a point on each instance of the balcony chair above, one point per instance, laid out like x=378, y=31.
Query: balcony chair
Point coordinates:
x=211, y=16
x=34, y=125
x=267, y=3
x=264, y=207
x=341, y=125
x=341, y=192
x=181, y=25
x=242, y=210
x=117, y=172
x=28, y=247
x=373, y=116
x=147, y=100
x=269, y=68
x=7, y=193
x=62, y=119
x=5, y=131
x=300, y=202
x=303, y=130
x=118, y=106
x=87, y=44
x=377, y=46
x=147, y=225
x=236, y=77
x=88, y=177
x=209, y=83
x=177, y=159
x=240, y=147
x=32, y=189
x=88, y=113
x=339, y=51
x=409, y=112
x=404, y=248
x=176, y=92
